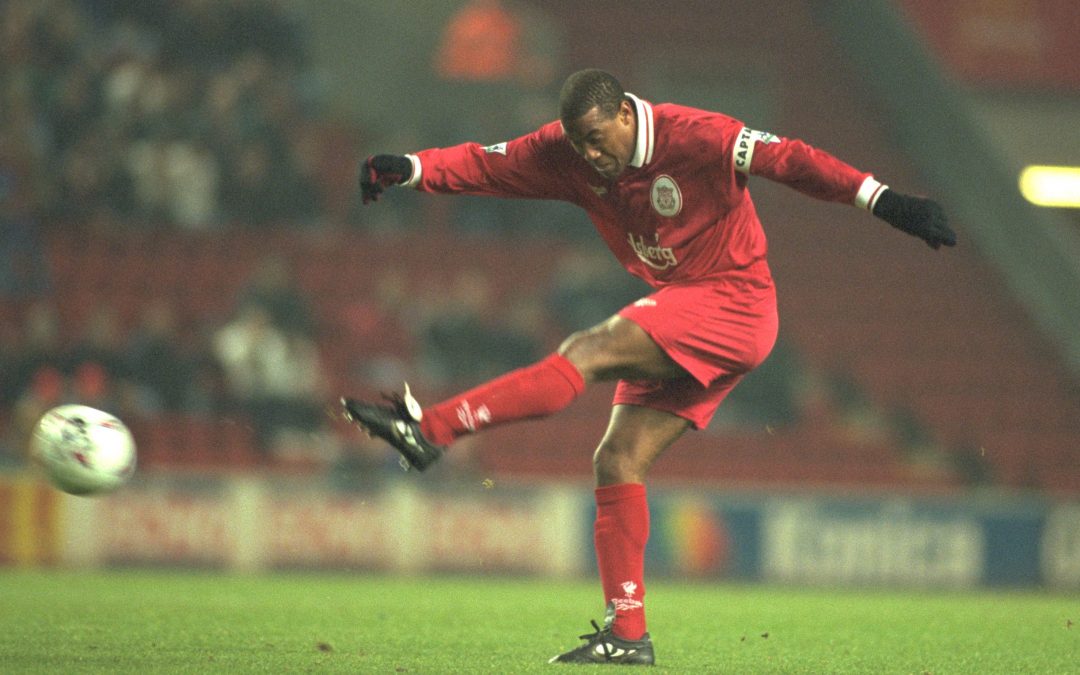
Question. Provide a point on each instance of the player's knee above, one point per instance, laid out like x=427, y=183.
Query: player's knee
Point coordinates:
x=615, y=463
x=588, y=351
x=616, y=348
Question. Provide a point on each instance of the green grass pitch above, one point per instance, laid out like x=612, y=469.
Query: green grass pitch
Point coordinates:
x=189, y=622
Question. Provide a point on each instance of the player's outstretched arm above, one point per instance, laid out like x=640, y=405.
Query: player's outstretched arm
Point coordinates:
x=379, y=172
x=919, y=217
x=817, y=173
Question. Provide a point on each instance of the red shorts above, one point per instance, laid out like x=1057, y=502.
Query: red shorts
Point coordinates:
x=717, y=330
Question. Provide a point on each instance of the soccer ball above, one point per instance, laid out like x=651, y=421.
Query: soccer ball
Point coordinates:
x=83, y=450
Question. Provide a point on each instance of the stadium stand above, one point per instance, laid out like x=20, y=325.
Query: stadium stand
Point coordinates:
x=914, y=370
x=939, y=335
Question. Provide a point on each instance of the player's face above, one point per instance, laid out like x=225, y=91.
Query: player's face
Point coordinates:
x=606, y=143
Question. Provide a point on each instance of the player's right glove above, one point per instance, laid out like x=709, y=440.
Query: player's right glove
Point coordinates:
x=379, y=172
x=919, y=217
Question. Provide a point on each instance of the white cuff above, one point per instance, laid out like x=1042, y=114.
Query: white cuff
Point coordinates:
x=869, y=192
x=417, y=172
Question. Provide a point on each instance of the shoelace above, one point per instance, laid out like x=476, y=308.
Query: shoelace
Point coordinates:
x=397, y=402
x=598, y=635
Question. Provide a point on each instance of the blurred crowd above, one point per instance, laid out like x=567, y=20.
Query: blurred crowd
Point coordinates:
x=126, y=115
x=279, y=356
x=189, y=113
x=260, y=365
x=195, y=117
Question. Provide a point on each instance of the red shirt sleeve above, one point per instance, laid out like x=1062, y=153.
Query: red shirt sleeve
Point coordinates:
x=800, y=166
x=525, y=167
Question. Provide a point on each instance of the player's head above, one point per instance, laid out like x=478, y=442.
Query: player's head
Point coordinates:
x=598, y=120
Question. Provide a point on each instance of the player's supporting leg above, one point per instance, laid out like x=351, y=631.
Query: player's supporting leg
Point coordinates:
x=635, y=437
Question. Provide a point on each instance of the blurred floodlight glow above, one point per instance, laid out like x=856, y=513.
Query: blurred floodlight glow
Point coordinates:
x=1051, y=185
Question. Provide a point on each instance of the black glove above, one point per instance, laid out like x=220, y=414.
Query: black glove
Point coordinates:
x=379, y=172
x=922, y=218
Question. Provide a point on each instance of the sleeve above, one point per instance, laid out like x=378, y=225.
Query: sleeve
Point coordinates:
x=807, y=169
x=522, y=168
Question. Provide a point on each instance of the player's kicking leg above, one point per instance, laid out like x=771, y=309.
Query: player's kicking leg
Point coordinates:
x=617, y=348
x=420, y=434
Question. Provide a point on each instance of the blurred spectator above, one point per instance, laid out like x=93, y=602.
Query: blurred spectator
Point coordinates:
x=99, y=368
x=93, y=385
x=379, y=333
x=22, y=255
x=265, y=188
x=10, y=360
x=194, y=178
x=207, y=392
x=23, y=271
x=273, y=288
x=94, y=177
x=39, y=346
x=481, y=43
x=156, y=360
x=47, y=388
x=466, y=321
x=253, y=353
x=274, y=377
x=176, y=181
x=451, y=326
x=492, y=55
x=101, y=344
x=587, y=286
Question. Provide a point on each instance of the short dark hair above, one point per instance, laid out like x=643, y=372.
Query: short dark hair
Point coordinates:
x=588, y=89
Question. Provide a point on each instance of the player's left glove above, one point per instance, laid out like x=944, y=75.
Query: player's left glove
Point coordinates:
x=379, y=172
x=919, y=217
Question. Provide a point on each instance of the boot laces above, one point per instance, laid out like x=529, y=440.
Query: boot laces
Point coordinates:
x=597, y=636
x=397, y=404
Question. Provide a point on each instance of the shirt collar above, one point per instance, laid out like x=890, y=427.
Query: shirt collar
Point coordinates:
x=646, y=138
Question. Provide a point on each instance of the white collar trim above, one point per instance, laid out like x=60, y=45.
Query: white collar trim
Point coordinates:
x=646, y=136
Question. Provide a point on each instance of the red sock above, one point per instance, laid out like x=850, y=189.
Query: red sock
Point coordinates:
x=620, y=533
x=541, y=389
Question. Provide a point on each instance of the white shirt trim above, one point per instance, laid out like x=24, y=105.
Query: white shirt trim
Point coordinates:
x=646, y=133
x=868, y=193
x=417, y=172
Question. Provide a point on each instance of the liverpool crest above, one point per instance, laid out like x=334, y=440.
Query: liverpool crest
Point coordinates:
x=665, y=196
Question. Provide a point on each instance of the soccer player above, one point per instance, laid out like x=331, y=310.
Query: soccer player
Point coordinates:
x=666, y=187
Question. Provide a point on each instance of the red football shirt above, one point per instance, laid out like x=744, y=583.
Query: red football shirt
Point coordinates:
x=681, y=211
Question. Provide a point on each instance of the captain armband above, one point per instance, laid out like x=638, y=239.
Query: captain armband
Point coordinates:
x=743, y=154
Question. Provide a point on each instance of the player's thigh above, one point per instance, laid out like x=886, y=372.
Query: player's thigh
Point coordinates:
x=684, y=397
x=635, y=437
x=712, y=330
x=617, y=349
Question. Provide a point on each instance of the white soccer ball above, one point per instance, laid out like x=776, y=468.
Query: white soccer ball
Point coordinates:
x=83, y=450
